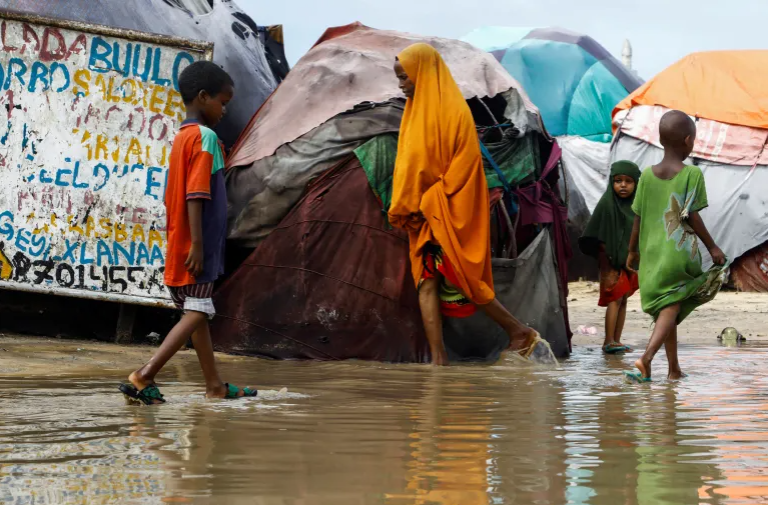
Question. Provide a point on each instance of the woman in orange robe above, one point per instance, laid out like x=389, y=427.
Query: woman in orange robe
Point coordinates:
x=440, y=196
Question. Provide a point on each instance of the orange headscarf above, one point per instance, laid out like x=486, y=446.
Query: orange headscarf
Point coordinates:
x=439, y=174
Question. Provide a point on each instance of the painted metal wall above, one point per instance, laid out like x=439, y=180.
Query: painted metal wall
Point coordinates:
x=88, y=116
x=239, y=49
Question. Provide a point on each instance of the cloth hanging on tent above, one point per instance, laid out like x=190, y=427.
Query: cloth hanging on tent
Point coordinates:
x=540, y=204
x=517, y=158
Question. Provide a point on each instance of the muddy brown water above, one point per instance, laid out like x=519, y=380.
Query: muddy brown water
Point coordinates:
x=360, y=433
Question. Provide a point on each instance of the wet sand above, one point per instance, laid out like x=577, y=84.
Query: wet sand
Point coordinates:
x=748, y=312
x=23, y=355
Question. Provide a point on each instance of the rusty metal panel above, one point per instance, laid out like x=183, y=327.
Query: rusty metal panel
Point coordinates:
x=89, y=116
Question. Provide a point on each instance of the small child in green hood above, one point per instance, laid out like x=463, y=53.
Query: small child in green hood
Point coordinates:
x=607, y=239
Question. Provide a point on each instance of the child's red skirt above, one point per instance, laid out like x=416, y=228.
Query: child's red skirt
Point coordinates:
x=615, y=285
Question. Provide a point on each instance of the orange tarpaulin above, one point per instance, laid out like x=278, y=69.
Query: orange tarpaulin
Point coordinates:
x=724, y=86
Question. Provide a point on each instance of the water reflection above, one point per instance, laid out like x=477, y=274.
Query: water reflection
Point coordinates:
x=355, y=433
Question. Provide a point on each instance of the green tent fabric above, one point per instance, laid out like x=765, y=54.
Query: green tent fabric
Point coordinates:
x=518, y=159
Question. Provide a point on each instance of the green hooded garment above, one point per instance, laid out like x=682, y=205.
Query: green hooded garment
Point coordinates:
x=611, y=222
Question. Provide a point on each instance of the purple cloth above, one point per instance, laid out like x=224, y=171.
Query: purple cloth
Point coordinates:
x=539, y=203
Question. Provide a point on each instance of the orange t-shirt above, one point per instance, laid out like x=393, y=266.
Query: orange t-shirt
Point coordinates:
x=195, y=172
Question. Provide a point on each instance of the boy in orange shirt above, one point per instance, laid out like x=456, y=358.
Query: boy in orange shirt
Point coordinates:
x=196, y=208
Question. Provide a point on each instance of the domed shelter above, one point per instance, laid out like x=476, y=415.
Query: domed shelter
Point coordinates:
x=724, y=92
x=253, y=55
x=325, y=276
x=576, y=83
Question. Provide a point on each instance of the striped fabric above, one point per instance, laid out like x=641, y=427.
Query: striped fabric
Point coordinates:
x=194, y=298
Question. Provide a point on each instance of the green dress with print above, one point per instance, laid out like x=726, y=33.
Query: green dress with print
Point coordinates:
x=670, y=255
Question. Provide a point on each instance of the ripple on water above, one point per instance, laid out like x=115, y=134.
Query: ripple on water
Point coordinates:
x=373, y=433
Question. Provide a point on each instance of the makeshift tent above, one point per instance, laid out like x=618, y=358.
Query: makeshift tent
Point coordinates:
x=724, y=92
x=575, y=82
x=239, y=42
x=329, y=278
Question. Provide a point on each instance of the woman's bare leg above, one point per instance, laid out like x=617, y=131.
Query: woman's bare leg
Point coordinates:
x=429, y=301
x=520, y=335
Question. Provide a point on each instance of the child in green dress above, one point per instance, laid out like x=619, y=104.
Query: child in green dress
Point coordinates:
x=668, y=229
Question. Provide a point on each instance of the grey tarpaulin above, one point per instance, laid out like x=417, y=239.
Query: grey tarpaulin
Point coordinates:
x=527, y=287
x=261, y=194
x=586, y=170
x=237, y=46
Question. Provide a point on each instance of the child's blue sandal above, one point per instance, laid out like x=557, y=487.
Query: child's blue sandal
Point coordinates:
x=232, y=392
x=636, y=377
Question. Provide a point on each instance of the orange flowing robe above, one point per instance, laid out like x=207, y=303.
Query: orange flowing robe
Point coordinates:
x=440, y=194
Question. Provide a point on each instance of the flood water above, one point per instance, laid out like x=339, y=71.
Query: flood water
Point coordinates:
x=360, y=433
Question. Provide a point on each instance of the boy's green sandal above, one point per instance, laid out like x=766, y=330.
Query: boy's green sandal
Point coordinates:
x=150, y=395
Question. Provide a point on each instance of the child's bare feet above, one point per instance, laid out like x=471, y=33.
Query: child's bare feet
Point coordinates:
x=676, y=375
x=644, y=367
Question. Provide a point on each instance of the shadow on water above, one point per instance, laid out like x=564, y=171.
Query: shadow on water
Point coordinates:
x=359, y=433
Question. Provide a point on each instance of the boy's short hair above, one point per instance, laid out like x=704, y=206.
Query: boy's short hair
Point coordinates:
x=675, y=126
x=202, y=76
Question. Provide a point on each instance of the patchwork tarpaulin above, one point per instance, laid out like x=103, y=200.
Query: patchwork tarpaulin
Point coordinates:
x=574, y=81
x=236, y=37
x=724, y=92
x=338, y=96
x=333, y=282
x=351, y=65
x=329, y=278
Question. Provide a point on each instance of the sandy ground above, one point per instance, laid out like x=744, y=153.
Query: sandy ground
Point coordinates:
x=747, y=312
x=33, y=356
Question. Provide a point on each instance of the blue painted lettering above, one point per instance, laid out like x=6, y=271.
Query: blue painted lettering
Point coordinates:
x=129, y=255
x=71, y=249
x=22, y=240
x=39, y=73
x=44, y=177
x=156, y=70
x=102, y=251
x=102, y=169
x=157, y=253
x=100, y=52
x=151, y=183
x=19, y=72
x=39, y=242
x=143, y=254
x=79, y=185
x=180, y=58
x=84, y=259
x=126, y=67
x=6, y=224
x=144, y=74
x=59, y=174
x=65, y=73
